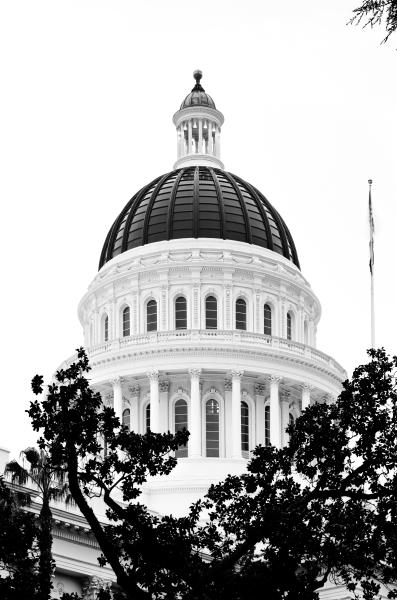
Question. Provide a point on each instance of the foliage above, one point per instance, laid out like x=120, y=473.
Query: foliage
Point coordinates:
x=18, y=559
x=323, y=507
x=49, y=481
x=375, y=12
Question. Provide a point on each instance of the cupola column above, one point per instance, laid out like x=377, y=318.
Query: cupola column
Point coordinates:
x=195, y=414
x=189, y=137
x=275, y=416
x=153, y=376
x=236, y=413
x=200, y=136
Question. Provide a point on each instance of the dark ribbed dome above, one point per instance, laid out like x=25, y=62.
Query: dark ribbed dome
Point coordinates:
x=198, y=96
x=198, y=202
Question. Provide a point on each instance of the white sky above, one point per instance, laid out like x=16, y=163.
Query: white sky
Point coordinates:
x=88, y=90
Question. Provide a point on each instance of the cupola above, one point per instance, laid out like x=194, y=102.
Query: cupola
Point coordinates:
x=198, y=124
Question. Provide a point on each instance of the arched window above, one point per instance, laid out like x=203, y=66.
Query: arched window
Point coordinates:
x=126, y=322
x=241, y=314
x=127, y=418
x=106, y=328
x=180, y=313
x=291, y=419
x=267, y=425
x=180, y=415
x=212, y=428
x=289, y=326
x=147, y=417
x=267, y=320
x=244, y=429
x=151, y=316
x=211, y=313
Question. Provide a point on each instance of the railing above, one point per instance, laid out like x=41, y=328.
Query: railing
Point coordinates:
x=218, y=337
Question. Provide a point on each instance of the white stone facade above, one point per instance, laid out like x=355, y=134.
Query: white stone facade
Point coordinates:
x=275, y=377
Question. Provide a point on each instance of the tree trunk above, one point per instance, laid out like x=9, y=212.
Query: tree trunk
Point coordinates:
x=46, y=563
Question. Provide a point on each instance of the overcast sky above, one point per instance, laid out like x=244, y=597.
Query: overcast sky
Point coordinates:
x=88, y=90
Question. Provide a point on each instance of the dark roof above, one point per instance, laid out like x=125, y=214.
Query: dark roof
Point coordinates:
x=198, y=96
x=198, y=202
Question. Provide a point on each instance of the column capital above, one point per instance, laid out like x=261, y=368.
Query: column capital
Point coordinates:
x=260, y=389
x=134, y=390
x=164, y=385
x=275, y=379
x=153, y=375
x=228, y=385
x=116, y=381
x=195, y=373
x=236, y=374
x=307, y=387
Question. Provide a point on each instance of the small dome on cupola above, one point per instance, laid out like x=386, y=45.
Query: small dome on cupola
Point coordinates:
x=198, y=96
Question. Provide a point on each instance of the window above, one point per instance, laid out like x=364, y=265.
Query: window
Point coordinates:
x=241, y=314
x=211, y=313
x=267, y=425
x=147, y=417
x=289, y=326
x=267, y=320
x=244, y=429
x=180, y=313
x=126, y=418
x=180, y=414
x=106, y=328
x=126, y=322
x=151, y=316
x=291, y=419
x=212, y=428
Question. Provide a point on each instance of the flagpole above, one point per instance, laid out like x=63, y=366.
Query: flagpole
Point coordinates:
x=371, y=264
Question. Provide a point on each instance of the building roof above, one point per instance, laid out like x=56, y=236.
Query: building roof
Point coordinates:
x=198, y=202
x=198, y=96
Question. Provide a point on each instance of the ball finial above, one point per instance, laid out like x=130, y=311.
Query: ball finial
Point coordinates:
x=197, y=74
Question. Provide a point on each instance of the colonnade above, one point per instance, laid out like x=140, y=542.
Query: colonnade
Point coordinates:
x=266, y=394
x=198, y=136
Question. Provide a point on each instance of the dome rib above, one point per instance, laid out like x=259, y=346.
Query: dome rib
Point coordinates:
x=196, y=198
x=198, y=202
x=170, y=213
x=259, y=204
x=221, y=206
x=242, y=204
x=150, y=205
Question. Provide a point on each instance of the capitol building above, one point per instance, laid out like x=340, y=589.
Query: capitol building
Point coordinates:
x=199, y=317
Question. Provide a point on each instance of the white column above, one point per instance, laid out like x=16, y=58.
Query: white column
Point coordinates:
x=210, y=146
x=284, y=420
x=217, y=143
x=194, y=447
x=275, y=417
x=306, y=389
x=134, y=402
x=189, y=140
x=154, y=400
x=228, y=418
x=163, y=389
x=117, y=398
x=200, y=141
x=260, y=414
x=236, y=413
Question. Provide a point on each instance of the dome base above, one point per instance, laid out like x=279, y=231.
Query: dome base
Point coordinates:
x=199, y=160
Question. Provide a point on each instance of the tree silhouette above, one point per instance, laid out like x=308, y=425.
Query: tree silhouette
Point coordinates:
x=50, y=483
x=376, y=12
x=322, y=507
x=18, y=559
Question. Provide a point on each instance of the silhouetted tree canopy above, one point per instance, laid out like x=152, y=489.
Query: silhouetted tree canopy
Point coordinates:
x=377, y=12
x=18, y=559
x=323, y=507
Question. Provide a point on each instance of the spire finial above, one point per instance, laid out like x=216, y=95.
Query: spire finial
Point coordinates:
x=197, y=74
